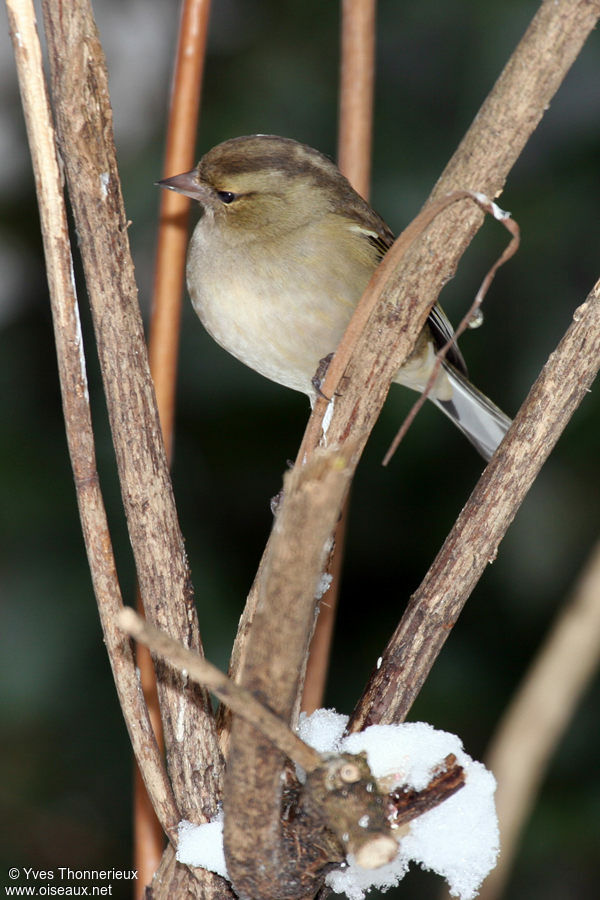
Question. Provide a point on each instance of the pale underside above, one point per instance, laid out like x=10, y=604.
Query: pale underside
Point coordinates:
x=299, y=319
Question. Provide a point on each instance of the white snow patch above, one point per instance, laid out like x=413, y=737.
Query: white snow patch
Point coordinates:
x=202, y=845
x=328, y=415
x=323, y=585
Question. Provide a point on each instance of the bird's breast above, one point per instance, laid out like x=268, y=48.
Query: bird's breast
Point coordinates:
x=280, y=309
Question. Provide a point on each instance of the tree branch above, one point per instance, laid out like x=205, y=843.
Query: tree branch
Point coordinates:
x=277, y=648
x=163, y=343
x=357, y=79
x=473, y=542
x=238, y=699
x=76, y=409
x=84, y=126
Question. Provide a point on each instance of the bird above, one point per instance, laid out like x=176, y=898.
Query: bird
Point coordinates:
x=278, y=261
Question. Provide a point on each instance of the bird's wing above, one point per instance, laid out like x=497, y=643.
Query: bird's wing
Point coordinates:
x=382, y=238
x=442, y=332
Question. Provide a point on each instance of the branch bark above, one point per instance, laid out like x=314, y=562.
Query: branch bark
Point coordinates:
x=85, y=133
x=473, y=542
x=313, y=496
x=76, y=408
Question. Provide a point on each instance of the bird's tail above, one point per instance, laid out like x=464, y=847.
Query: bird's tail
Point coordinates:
x=480, y=420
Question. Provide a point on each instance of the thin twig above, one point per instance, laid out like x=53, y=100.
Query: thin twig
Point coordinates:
x=239, y=700
x=174, y=210
x=357, y=79
x=75, y=399
x=537, y=717
x=493, y=209
x=148, y=837
x=320, y=646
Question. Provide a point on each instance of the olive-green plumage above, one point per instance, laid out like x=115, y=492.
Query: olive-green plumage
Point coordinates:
x=279, y=260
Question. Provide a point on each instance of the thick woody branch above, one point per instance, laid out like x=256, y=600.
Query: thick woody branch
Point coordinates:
x=163, y=337
x=75, y=399
x=285, y=615
x=473, y=542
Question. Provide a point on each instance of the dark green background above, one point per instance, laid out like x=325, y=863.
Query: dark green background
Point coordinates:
x=273, y=67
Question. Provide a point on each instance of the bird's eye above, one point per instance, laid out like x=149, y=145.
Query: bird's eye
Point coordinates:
x=226, y=196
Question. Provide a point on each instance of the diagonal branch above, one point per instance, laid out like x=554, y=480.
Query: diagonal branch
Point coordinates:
x=473, y=542
x=242, y=702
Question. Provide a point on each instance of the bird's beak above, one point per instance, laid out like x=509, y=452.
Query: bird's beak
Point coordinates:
x=186, y=183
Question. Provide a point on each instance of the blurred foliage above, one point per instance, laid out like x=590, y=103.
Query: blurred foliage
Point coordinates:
x=273, y=67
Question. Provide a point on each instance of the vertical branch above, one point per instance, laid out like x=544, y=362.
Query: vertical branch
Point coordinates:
x=357, y=78
x=356, y=92
x=319, y=652
x=275, y=656
x=75, y=400
x=174, y=210
x=84, y=125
